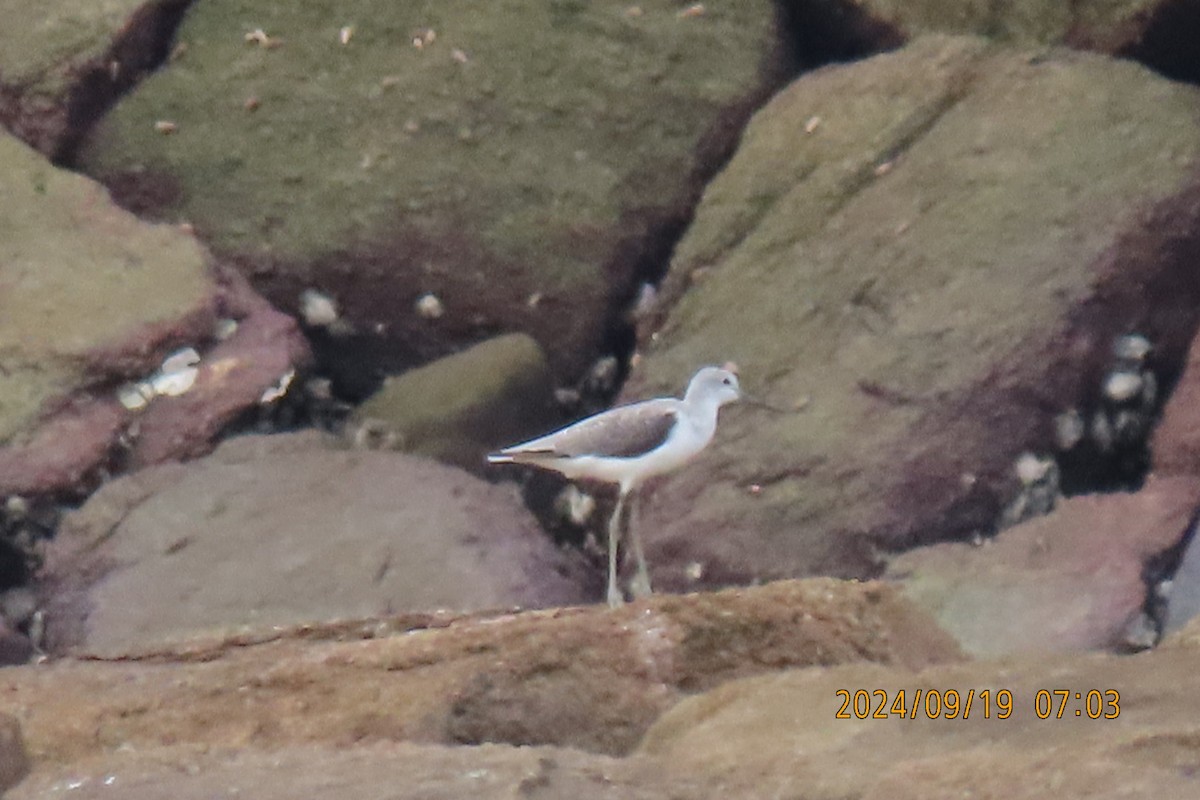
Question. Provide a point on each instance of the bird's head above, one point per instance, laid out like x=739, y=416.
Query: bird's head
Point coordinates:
x=714, y=384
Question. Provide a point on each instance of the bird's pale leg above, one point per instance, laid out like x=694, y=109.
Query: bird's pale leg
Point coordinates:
x=640, y=585
x=615, y=598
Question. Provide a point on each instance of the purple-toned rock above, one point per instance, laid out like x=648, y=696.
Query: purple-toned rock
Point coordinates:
x=1070, y=580
x=94, y=302
x=276, y=530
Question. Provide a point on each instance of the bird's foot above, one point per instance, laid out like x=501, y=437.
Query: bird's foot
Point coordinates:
x=615, y=598
x=640, y=585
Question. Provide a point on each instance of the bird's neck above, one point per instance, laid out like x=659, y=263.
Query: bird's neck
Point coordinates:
x=702, y=413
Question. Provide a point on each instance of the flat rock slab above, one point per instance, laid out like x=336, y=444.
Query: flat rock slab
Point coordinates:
x=408, y=771
x=515, y=160
x=286, y=529
x=929, y=254
x=779, y=736
x=1071, y=580
x=592, y=678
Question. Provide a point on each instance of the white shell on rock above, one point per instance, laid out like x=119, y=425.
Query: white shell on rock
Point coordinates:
x=1068, y=429
x=177, y=373
x=319, y=310
x=1122, y=386
x=279, y=389
x=429, y=306
x=1132, y=347
x=1030, y=469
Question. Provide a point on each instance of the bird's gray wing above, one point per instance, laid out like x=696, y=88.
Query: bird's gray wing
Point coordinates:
x=622, y=432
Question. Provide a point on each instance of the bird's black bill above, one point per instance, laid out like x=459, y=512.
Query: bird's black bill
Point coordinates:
x=754, y=401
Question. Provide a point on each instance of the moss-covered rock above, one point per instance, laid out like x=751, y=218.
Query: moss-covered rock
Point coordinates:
x=62, y=62
x=515, y=159
x=931, y=253
x=87, y=288
x=459, y=407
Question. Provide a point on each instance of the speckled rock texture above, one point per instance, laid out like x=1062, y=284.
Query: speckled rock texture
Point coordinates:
x=588, y=678
x=928, y=254
x=443, y=148
x=284, y=529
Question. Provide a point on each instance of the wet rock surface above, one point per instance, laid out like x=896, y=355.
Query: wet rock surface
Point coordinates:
x=284, y=529
x=906, y=270
x=442, y=156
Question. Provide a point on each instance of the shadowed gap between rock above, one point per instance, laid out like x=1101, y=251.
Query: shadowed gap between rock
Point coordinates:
x=1169, y=43
x=142, y=46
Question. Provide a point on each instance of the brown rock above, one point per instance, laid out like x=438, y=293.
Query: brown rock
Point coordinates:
x=1175, y=446
x=779, y=735
x=438, y=677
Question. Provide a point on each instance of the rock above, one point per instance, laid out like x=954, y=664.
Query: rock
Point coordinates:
x=14, y=760
x=442, y=677
x=15, y=647
x=91, y=295
x=62, y=64
x=285, y=529
x=409, y=771
x=440, y=155
x=234, y=375
x=1175, y=443
x=778, y=735
x=1183, y=597
x=1067, y=581
x=1156, y=32
x=931, y=275
x=459, y=408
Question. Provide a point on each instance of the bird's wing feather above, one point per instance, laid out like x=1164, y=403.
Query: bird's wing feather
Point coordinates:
x=621, y=432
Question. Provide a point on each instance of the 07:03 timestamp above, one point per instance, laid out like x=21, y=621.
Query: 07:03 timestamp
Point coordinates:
x=985, y=703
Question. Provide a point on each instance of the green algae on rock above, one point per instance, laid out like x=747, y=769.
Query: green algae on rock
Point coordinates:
x=515, y=159
x=932, y=252
x=81, y=278
x=459, y=407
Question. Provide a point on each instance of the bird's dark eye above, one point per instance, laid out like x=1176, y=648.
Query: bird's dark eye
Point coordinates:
x=727, y=382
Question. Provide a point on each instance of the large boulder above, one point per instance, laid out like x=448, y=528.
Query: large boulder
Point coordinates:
x=929, y=256
x=439, y=173
x=287, y=529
